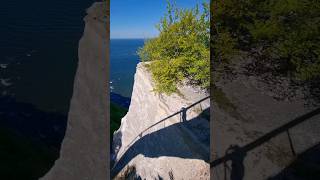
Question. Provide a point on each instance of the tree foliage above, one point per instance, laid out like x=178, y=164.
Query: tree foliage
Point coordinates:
x=286, y=33
x=181, y=52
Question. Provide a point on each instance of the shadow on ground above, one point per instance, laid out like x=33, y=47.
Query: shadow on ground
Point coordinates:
x=305, y=167
x=170, y=143
x=237, y=154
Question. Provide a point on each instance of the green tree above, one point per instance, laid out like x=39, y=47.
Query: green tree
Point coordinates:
x=181, y=52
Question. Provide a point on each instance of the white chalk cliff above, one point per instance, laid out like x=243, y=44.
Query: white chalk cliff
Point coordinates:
x=84, y=149
x=177, y=147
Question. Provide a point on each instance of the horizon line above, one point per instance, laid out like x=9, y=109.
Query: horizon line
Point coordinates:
x=132, y=37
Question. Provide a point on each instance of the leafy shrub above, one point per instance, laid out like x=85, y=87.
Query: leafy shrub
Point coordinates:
x=285, y=31
x=181, y=51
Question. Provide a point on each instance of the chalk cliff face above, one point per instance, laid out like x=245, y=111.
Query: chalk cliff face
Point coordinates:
x=177, y=147
x=84, y=149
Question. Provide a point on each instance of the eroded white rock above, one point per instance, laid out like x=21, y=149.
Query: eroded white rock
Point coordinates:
x=169, y=148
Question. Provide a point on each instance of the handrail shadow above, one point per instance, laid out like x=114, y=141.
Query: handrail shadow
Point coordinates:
x=238, y=153
x=305, y=166
x=182, y=111
x=137, y=145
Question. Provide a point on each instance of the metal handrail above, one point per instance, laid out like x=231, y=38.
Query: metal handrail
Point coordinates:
x=269, y=135
x=183, y=109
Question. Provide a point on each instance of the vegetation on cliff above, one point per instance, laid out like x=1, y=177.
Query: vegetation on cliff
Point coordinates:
x=181, y=52
x=117, y=113
x=282, y=35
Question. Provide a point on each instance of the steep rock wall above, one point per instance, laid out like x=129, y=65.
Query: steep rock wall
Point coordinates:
x=169, y=148
x=84, y=149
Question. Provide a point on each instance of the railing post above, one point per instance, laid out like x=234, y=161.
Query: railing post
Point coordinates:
x=291, y=144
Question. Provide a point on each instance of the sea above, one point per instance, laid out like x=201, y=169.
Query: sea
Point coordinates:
x=38, y=50
x=123, y=62
x=38, y=60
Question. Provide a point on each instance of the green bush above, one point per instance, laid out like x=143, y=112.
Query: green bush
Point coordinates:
x=285, y=31
x=181, y=52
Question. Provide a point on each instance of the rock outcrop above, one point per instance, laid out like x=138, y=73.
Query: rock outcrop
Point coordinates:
x=84, y=150
x=255, y=135
x=158, y=140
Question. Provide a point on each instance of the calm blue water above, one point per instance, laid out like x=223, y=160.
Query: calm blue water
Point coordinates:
x=38, y=59
x=38, y=50
x=123, y=62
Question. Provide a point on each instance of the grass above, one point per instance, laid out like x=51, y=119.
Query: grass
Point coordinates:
x=221, y=99
x=225, y=104
x=116, y=114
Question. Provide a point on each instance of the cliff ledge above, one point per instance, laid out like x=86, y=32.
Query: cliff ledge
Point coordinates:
x=157, y=139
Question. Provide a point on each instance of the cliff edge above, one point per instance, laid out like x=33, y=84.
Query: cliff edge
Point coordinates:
x=163, y=136
x=84, y=149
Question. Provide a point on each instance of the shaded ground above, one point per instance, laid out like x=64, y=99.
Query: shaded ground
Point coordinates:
x=305, y=167
x=171, y=141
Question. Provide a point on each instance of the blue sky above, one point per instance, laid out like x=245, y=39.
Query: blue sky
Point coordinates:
x=137, y=18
